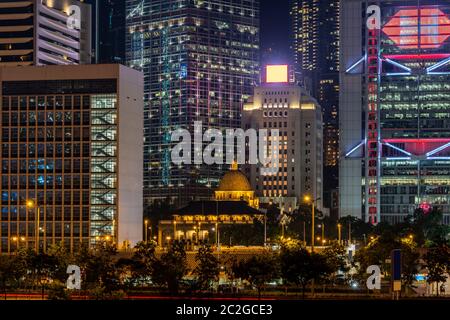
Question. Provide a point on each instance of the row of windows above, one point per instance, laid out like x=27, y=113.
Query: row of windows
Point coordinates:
x=58, y=213
x=46, y=134
x=45, y=181
x=45, y=165
x=275, y=114
x=46, y=103
x=56, y=229
x=45, y=150
x=49, y=118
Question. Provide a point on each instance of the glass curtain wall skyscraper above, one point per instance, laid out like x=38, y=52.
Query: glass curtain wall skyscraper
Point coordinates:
x=395, y=98
x=315, y=44
x=200, y=63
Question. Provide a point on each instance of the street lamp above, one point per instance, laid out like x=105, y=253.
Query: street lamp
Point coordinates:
x=32, y=204
x=308, y=199
x=174, y=230
x=16, y=240
x=323, y=230
x=339, y=233
x=146, y=230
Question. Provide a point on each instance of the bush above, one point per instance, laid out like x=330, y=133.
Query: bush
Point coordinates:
x=58, y=291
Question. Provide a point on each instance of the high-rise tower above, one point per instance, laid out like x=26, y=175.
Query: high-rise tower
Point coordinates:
x=315, y=43
x=43, y=32
x=200, y=63
x=395, y=96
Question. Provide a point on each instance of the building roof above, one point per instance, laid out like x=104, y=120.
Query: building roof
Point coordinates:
x=212, y=207
x=234, y=180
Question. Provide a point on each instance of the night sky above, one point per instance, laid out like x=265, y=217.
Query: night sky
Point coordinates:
x=275, y=31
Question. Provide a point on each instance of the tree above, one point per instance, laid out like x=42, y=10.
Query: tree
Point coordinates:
x=377, y=251
x=336, y=259
x=320, y=268
x=207, y=270
x=142, y=260
x=170, y=268
x=62, y=258
x=430, y=225
x=98, y=267
x=437, y=261
x=6, y=272
x=410, y=262
x=296, y=266
x=43, y=267
x=258, y=270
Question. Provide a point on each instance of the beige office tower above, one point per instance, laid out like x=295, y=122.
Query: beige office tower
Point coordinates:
x=71, y=156
x=45, y=32
x=280, y=104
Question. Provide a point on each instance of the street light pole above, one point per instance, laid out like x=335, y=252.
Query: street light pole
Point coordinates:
x=308, y=199
x=146, y=230
x=265, y=229
x=339, y=233
x=175, y=230
x=323, y=233
x=313, y=239
x=304, y=232
x=33, y=204
x=38, y=219
x=349, y=232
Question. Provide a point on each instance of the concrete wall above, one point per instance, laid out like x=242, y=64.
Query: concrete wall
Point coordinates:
x=130, y=157
x=350, y=109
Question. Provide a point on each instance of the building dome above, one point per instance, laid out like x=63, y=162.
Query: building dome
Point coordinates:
x=234, y=180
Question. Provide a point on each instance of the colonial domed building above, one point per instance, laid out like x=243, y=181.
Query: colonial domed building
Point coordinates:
x=234, y=203
x=235, y=186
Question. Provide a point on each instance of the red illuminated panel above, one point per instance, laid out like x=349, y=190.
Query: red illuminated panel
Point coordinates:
x=403, y=28
x=419, y=146
x=437, y=56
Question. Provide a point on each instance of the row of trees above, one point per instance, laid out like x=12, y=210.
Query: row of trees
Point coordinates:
x=105, y=275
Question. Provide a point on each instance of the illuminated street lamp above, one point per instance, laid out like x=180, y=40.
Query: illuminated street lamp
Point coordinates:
x=308, y=199
x=174, y=230
x=146, y=229
x=31, y=204
x=339, y=232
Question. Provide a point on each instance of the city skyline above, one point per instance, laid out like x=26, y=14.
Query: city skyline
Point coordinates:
x=239, y=152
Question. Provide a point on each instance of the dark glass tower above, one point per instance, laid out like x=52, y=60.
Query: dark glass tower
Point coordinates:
x=200, y=63
x=315, y=32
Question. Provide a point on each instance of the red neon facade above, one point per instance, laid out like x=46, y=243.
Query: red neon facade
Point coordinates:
x=403, y=28
x=372, y=146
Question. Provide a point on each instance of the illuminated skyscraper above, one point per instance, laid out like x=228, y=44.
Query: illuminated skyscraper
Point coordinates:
x=200, y=63
x=283, y=105
x=394, y=109
x=42, y=32
x=72, y=148
x=315, y=36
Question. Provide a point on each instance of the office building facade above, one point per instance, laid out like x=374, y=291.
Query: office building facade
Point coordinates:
x=288, y=108
x=315, y=42
x=44, y=32
x=200, y=63
x=72, y=147
x=394, y=106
